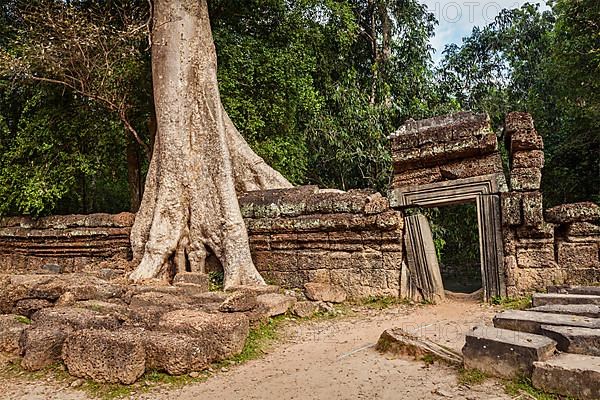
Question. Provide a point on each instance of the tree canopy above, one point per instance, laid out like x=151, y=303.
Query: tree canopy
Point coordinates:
x=315, y=87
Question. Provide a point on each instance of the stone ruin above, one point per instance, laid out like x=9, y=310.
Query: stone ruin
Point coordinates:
x=362, y=241
x=64, y=295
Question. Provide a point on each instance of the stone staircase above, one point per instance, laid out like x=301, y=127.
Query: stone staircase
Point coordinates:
x=556, y=343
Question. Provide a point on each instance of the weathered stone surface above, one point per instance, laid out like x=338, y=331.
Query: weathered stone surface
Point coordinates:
x=69, y=241
x=517, y=121
x=533, y=212
x=572, y=375
x=582, y=229
x=275, y=303
x=485, y=165
x=542, y=299
x=419, y=176
x=571, y=339
x=524, y=179
x=196, y=278
x=531, y=322
x=512, y=214
x=51, y=287
x=568, y=289
x=584, y=310
x=578, y=255
x=324, y=292
x=398, y=342
x=305, y=309
x=536, y=255
x=41, y=345
x=176, y=354
x=28, y=307
x=505, y=353
x=528, y=159
x=105, y=356
x=77, y=318
x=223, y=333
x=11, y=327
x=526, y=139
x=576, y=212
x=242, y=300
x=159, y=299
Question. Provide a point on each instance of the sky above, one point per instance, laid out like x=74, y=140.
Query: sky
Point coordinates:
x=457, y=18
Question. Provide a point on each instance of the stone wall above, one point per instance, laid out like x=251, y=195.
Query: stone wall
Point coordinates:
x=72, y=242
x=542, y=249
x=351, y=239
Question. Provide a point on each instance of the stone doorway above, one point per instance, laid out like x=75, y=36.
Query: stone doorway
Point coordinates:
x=456, y=229
x=482, y=190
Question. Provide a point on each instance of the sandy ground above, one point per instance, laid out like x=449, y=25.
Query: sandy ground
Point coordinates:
x=330, y=359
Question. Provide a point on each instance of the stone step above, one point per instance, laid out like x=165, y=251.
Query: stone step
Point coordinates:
x=572, y=339
x=544, y=299
x=589, y=290
x=505, y=353
x=584, y=310
x=573, y=375
x=531, y=321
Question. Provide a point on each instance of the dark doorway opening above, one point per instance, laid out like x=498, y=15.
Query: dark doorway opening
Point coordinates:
x=456, y=235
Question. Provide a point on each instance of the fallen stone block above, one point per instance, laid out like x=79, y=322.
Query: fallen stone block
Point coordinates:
x=41, y=345
x=28, y=307
x=324, y=292
x=505, y=353
x=196, y=278
x=11, y=327
x=305, y=309
x=275, y=303
x=530, y=321
x=400, y=343
x=242, y=300
x=584, y=310
x=224, y=333
x=159, y=299
x=572, y=339
x=573, y=375
x=544, y=299
x=105, y=356
x=176, y=354
x=76, y=318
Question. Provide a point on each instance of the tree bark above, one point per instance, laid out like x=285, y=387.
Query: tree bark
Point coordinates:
x=199, y=158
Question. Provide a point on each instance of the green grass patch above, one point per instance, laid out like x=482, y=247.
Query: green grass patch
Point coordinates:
x=22, y=319
x=383, y=302
x=258, y=339
x=471, y=377
x=519, y=303
x=520, y=386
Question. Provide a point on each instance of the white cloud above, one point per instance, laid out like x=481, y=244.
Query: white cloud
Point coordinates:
x=457, y=18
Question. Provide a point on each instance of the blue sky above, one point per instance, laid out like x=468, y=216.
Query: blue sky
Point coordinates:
x=457, y=18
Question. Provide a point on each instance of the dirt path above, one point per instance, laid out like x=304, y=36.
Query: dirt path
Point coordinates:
x=332, y=359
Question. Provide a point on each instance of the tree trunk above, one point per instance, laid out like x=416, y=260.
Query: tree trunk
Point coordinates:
x=199, y=158
x=134, y=176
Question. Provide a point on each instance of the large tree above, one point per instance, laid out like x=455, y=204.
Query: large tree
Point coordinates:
x=199, y=160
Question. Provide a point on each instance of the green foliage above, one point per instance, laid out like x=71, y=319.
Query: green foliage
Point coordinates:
x=471, y=377
x=519, y=303
x=545, y=63
x=215, y=281
x=383, y=302
x=520, y=386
